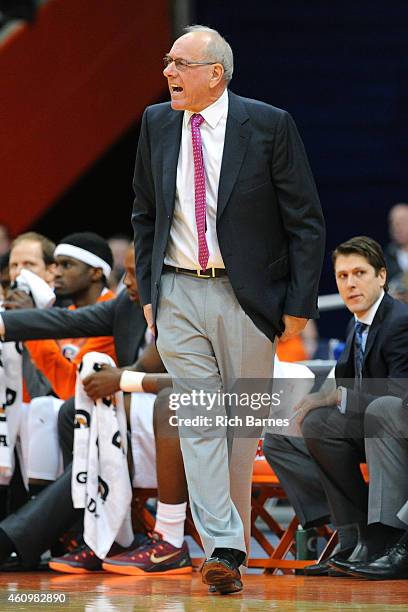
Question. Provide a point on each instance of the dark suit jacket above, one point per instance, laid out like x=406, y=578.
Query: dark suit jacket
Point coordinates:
x=269, y=221
x=119, y=318
x=385, y=365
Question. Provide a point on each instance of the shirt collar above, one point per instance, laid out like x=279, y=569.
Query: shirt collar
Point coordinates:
x=371, y=312
x=213, y=113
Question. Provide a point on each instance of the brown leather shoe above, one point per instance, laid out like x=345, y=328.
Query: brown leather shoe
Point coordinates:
x=221, y=572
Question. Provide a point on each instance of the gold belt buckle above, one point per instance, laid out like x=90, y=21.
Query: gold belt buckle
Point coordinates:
x=206, y=275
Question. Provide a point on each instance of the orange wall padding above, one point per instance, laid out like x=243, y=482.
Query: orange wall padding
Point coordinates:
x=70, y=85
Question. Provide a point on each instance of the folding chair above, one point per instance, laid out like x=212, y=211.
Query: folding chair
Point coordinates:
x=265, y=486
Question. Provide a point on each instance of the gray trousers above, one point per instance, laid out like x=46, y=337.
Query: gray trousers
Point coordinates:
x=403, y=514
x=300, y=478
x=386, y=445
x=336, y=443
x=207, y=344
x=382, y=432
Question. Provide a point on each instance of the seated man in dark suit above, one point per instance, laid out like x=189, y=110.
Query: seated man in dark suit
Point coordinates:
x=386, y=447
x=327, y=461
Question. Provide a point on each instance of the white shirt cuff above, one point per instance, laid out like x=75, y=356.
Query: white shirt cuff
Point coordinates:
x=343, y=401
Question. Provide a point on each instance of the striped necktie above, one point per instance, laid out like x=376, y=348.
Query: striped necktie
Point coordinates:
x=359, y=351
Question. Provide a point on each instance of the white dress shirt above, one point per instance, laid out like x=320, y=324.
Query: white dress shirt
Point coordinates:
x=368, y=318
x=182, y=248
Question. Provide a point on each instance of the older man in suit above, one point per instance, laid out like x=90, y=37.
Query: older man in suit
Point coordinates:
x=229, y=240
x=338, y=424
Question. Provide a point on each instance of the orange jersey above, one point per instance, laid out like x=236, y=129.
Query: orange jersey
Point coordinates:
x=58, y=359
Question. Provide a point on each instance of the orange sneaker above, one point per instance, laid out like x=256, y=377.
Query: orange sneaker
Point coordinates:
x=82, y=560
x=155, y=557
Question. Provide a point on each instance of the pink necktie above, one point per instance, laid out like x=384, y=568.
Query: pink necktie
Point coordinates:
x=199, y=190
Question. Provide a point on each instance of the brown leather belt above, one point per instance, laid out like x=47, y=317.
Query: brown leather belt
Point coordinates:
x=209, y=273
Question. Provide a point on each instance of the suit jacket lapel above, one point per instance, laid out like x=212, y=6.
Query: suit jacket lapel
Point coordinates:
x=171, y=137
x=236, y=142
x=376, y=324
x=345, y=365
x=235, y=145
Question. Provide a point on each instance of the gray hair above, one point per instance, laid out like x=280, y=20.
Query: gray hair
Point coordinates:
x=218, y=50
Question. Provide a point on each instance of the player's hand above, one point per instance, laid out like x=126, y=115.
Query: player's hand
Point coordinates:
x=148, y=313
x=16, y=299
x=104, y=383
x=311, y=402
x=293, y=326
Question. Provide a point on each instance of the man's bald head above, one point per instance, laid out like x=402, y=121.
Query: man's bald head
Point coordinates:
x=214, y=48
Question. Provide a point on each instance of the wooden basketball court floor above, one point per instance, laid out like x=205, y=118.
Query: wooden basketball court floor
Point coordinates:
x=107, y=592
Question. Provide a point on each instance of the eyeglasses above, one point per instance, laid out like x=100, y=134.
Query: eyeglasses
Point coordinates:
x=182, y=64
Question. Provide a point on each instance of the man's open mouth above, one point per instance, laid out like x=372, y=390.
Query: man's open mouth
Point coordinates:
x=176, y=88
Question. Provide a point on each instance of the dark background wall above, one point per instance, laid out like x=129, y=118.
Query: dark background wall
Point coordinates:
x=72, y=83
x=340, y=68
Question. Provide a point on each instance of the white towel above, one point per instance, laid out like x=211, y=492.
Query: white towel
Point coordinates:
x=40, y=446
x=292, y=382
x=5, y=455
x=43, y=295
x=10, y=406
x=11, y=379
x=100, y=474
x=299, y=379
x=142, y=440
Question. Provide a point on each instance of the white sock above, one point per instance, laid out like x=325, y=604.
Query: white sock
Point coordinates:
x=170, y=522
